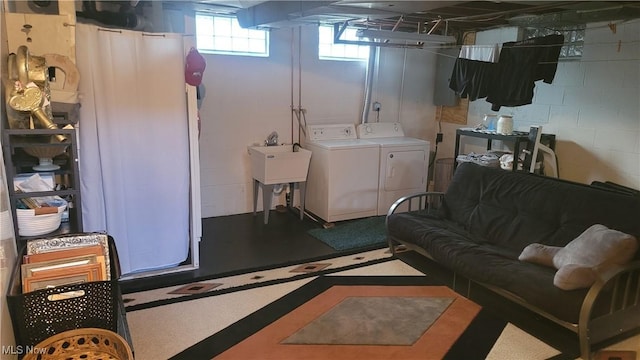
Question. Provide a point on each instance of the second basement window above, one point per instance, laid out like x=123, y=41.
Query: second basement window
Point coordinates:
x=328, y=50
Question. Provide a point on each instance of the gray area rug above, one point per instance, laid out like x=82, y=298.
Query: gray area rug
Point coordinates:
x=372, y=321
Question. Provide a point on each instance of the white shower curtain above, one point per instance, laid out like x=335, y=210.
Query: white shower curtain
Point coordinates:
x=134, y=144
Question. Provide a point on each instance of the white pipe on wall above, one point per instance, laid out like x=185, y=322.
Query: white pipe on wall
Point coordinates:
x=404, y=69
x=368, y=84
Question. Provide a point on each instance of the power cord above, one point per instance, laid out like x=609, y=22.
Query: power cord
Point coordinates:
x=438, y=138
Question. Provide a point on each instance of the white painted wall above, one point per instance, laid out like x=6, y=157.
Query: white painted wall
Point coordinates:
x=592, y=106
x=404, y=87
x=247, y=98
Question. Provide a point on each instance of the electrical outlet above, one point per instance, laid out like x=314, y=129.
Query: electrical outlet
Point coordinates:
x=376, y=106
x=438, y=138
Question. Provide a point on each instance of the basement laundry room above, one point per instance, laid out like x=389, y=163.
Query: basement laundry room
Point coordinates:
x=301, y=92
x=212, y=138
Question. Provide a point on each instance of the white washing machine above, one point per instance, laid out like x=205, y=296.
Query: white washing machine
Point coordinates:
x=404, y=162
x=343, y=173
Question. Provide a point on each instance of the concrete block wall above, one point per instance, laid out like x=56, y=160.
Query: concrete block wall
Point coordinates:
x=592, y=105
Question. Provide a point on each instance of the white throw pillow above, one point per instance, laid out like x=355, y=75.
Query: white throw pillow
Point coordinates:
x=596, y=249
x=539, y=254
x=571, y=277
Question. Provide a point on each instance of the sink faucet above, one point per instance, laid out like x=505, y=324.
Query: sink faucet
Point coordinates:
x=272, y=139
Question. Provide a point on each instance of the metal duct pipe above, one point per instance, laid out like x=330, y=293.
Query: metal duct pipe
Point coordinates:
x=126, y=17
x=368, y=84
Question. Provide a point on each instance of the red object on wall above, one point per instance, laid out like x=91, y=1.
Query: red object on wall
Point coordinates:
x=194, y=67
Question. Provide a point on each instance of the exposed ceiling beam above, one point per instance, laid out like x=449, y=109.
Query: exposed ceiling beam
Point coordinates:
x=418, y=16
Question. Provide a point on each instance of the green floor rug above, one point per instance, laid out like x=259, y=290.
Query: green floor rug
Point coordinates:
x=353, y=234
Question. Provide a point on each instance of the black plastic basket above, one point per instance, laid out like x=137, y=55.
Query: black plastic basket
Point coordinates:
x=40, y=314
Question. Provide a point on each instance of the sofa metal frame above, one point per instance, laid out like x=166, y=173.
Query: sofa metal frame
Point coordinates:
x=620, y=284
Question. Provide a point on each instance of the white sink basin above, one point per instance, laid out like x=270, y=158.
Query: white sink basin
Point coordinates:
x=279, y=164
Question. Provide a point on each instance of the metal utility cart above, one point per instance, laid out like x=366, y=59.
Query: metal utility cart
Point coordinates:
x=517, y=138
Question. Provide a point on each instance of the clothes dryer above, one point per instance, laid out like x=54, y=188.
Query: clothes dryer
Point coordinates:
x=404, y=162
x=343, y=173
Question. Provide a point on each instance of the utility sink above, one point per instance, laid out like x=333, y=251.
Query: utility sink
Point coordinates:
x=279, y=164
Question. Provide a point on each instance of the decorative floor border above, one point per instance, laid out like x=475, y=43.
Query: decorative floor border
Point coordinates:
x=204, y=288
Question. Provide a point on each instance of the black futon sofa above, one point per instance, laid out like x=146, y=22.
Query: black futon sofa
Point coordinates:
x=488, y=217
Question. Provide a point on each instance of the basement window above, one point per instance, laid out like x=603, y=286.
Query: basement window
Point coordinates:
x=217, y=34
x=573, y=39
x=328, y=50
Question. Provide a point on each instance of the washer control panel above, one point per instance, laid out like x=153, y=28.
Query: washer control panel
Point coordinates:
x=379, y=130
x=331, y=132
